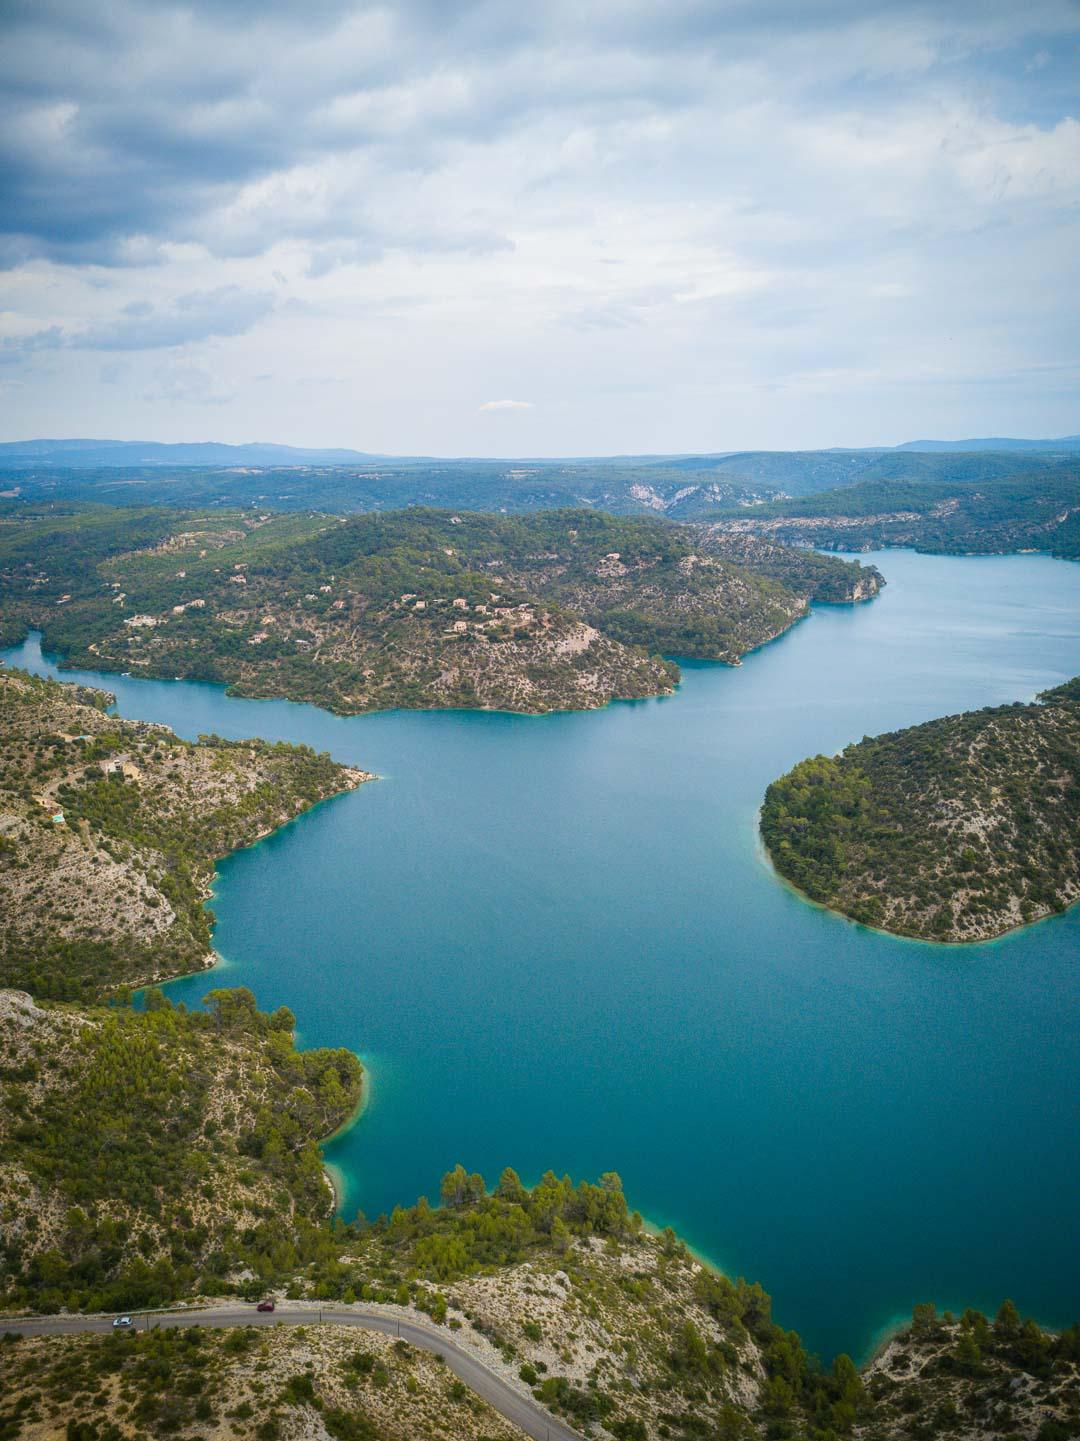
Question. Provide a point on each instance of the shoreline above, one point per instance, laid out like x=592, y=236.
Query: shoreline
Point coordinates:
x=762, y=850
x=234, y=690
x=331, y=1170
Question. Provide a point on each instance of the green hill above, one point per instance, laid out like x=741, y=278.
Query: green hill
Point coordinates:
x=561, y=610
x=956, y=830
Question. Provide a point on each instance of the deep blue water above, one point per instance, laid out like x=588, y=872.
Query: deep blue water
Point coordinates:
x=555, y=944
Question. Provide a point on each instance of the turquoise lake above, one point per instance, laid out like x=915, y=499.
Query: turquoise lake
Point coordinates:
x=555, y=943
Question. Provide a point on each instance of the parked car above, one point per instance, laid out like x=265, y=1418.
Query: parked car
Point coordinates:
x=265, y=1306
x=121, y=1323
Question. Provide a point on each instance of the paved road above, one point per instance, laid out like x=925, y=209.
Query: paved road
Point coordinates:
x=523, y=1411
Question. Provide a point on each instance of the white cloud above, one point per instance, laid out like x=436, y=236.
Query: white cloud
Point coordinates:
x=667, y=225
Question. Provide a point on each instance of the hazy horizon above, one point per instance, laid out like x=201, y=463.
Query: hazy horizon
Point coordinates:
x=982, y=442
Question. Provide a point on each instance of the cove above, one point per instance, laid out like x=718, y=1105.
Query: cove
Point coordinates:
x=555, y=943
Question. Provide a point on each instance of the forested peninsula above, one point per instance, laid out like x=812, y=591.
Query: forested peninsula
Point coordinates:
x=109, y=830
x=957, y=830
x=420, y=608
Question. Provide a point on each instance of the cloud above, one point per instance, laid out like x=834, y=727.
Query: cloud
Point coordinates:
x=659, y=220
x=14, y=348
x=142, y=325
x=196, y=316
x=128, y=130
x=184, y=384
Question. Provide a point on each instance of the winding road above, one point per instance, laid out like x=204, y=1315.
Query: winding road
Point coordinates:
x=522, y=1410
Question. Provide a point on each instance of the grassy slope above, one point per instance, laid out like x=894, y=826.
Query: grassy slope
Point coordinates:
x=955, y=830
x=968, y=1377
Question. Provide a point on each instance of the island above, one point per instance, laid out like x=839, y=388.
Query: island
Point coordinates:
x=956, y=830
x=559, y=610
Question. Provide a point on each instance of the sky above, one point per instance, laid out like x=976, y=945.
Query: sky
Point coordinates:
x=566, y=227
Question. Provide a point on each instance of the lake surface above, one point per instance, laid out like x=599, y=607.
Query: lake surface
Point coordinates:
x=555, y=943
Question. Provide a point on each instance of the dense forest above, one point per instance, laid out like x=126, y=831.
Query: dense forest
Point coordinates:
x=1030, y=509
x=956, y=830
x=417, y=608
x=148, y=1155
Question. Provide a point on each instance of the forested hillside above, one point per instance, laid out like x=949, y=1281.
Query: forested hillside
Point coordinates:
x=1035, y=509
x=109, y=830
x=146, y=1156
x=559, y=1290
x=956, y=830
x=419, y=608
x=681, y=487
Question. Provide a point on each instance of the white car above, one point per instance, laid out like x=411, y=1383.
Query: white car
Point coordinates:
x=121, y=1323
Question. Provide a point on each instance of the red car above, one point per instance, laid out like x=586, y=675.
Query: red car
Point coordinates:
x=265, y=1306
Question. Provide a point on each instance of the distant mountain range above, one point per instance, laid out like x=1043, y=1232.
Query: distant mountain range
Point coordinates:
x=86, y=454
x=680, y=487
x=91, y=454
x=996, y=442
